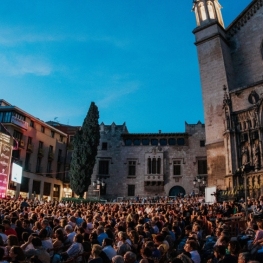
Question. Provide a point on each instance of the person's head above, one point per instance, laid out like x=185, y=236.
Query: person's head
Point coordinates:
x=68, y=229
x=56, y=222
x=129, y=257
x=107, y=242
x=100, y=230
x=159, y=238
x=16, y=253
x=243, y=257
x=78, y=238
x=36, y=242
x=146, y=252
x=219, y=252
x=117, y=259
x=122, y=235
x=233, y=247
x=26, y=223
x=96, y=250
x=188, y=230
x=44, y=223
x=85, y=237
x=190, y=245
x=42, y=233
x=25, y=236
x=224, y=241
x=6, y=223
x=12, y=240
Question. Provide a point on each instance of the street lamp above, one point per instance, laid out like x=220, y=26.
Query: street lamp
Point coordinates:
x=201, y=183
x=243, y=172
x=98, y=185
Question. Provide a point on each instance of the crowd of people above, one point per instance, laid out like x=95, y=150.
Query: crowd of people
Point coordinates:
x=181, y=230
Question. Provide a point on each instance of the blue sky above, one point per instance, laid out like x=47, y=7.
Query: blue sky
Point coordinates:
x=136, y=59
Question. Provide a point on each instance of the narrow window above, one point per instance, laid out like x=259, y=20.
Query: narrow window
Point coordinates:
x=104, y=146
x=202, y=166
x=132, y=168
x=131, y=190
x=177, y=168
x=104, y=167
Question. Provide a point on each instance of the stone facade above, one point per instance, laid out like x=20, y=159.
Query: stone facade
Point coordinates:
x=231, y=70
x=149, y=164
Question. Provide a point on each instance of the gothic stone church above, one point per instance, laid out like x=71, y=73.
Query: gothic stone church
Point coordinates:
x=231, y=70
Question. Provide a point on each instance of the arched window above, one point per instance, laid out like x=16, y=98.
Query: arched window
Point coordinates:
x=154, y=166
x=149, y=166
x=158, y=165
x=211, y=10
x=202, y=12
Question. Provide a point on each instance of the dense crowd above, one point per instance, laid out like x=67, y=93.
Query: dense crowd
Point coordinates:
x=181, y=230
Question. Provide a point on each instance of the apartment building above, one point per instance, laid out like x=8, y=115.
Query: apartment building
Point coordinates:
x=40, y=149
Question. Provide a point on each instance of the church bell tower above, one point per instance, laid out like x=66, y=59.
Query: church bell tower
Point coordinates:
x=207, y=11
x=215, y=66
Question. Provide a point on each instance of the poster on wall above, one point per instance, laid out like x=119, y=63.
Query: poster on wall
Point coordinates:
x=5, y=159
x=16, y=175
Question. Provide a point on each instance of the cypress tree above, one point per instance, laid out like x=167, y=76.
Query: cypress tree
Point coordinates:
x=85, y=144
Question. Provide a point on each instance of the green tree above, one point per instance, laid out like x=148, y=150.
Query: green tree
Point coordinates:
x=85, y=143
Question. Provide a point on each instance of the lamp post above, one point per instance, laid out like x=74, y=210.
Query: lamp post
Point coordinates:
x=244, y=175
x=98, y=185
x=200, y=181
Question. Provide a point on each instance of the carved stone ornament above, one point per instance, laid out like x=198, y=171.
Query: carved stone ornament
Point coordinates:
x=253, y=97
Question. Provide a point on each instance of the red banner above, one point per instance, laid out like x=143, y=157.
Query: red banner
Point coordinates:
x=5, y=159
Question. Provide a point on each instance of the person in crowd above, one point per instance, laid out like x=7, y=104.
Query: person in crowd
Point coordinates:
x=95, y=254
x=2, y=234
x=8, y=229
x=117, y=259
x=108, y=248
x=38, y=250
x=191, y=246
x=146, y=254
x=12, y=240
x=70, y=233
x=101, y=234
x=16, y=254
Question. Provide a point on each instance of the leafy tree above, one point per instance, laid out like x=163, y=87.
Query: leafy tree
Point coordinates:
x=85, y=143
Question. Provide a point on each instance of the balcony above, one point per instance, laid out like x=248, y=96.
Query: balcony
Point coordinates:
x=27, y=167
x=60, y=159
x=30, y=147
x=40, y=152
x=153, y=178
x=21, y=144
x=39, y=170
x=50, y=155
x=70, y=147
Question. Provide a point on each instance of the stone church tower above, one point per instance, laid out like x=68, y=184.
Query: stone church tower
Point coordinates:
x=214, y=57
x=231, y=70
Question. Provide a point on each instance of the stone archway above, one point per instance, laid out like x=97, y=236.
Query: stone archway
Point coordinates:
x=176, y=190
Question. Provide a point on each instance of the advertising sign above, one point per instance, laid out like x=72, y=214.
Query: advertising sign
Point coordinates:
x=16, y=175
x=209, y=194
x=5, y=159
x=21, y=123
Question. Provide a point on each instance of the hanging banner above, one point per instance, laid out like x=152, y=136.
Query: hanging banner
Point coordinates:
x=5, y=160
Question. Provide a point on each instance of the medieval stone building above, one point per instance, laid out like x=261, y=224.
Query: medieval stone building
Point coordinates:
x=149, y=164
x=231, y=69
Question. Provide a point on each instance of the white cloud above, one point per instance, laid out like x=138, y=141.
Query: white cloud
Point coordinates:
x=22, y=65
x=16, y=35
x=116, y=92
